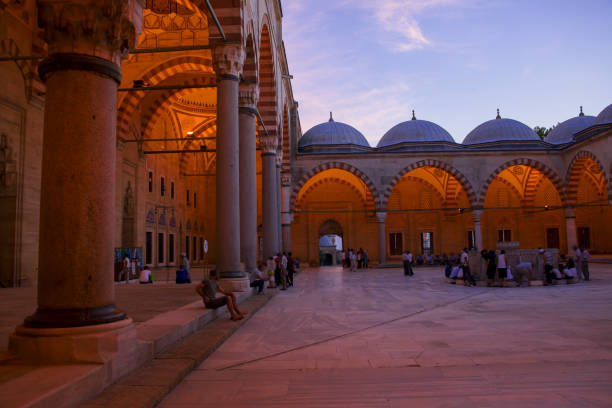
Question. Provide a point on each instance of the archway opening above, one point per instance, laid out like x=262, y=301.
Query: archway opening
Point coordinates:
x=428, y=214
x=522, y=206
x=337, y=203
x=587, y=193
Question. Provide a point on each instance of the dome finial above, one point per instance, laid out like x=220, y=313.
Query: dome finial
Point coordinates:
x=331, y=118
x=581, y=112
x=498, y=117
x=413, y=117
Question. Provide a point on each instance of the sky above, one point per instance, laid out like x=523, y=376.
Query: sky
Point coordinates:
x=454, y=62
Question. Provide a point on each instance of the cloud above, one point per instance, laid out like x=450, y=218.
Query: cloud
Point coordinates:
x=400, y=17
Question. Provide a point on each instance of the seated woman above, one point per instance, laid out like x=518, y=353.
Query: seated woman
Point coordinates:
x=437, y=260
x=570, y=273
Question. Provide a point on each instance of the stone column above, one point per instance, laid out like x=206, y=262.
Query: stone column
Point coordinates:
x=477, y=214
x=382, y=238
x=268, y=145
x=248, y=95
x=76, y=318
x=279, y=160
x=286, y=214
x=228, y=62
x=570, y=228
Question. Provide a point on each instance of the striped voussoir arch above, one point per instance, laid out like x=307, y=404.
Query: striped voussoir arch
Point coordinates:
x=467, y=186
x=229, y=14
x=574, y=172
x=426, y=183
x=9, y=48
x=551, y=174
x=152, y=114
x=367, y=199
x=286, y=164
x=334, y=165
x=161, y=72
x=267, y=83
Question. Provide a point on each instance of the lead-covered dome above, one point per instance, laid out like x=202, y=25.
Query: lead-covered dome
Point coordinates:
x=605, y=116
x=333, y=133
x=499, y=129
x=325, y=241
x=564, y=131
x=415, y=130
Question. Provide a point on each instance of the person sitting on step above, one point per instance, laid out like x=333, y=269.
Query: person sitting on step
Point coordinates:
x=208, y=289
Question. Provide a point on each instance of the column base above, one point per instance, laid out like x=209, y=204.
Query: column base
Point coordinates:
x=235, y=284
x=89, y=344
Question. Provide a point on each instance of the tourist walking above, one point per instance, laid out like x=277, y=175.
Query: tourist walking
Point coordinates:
x=578, y=261
x=585, y=263
x=290, y=269
x=548, y=265
x=353, y=257
x=489, y=257
x=502, y=267
x=407, y=261
x=366, y=259
x=467, y=274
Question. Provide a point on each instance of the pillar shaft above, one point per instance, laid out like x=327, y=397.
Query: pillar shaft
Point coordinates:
x=270, y=220
x=477, y=214
x=248, y=177
x=77, y=203
x=570, y=228
x=279, y=232
x=228, y=64
x=382, y=241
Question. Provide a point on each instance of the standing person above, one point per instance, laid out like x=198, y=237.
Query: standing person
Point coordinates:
x=467, y=274
x=185, y=266
x=290, y=268
x=578, y=261
x=502, y=267
x=126, y=269
x=406, y=258
x=585, y=263
x=343, y=259
x=548, y=265
x=353, y=260
x=284, y=275
x=366, y=259
x=359, y=258
x=270, y=268
x=491, y=266
x=347, y=257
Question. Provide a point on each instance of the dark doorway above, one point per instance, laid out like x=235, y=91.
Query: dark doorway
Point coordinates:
x=328, y=260
x=552, y=238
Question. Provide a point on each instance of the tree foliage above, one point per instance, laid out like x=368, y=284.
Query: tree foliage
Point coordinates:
x=542, y=132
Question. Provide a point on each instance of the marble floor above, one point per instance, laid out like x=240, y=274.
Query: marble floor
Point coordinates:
x=378, y=339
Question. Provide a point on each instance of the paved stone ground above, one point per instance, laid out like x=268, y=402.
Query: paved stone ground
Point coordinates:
x=378, y=339
x=141, y=302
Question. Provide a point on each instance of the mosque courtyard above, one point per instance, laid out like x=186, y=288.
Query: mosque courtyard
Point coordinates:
x=374, y=338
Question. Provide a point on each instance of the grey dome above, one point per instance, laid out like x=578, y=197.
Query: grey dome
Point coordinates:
x=564, y=131
x=325, y=241
x=332, y=133
x=415, y=131
x=498, y=130
x=605, y=116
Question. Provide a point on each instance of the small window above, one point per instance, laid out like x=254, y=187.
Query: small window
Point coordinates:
x=149, y=248
x=160, y=248
x=186, y=245
x=427, y=244
x=188, y=197
x=504, y=235
x=201, y=247
x=395, y=243
x=195, y=200
x=172, y=190
x=150, y=182
x=162, y=186
x=171, y=248
x=195, y=248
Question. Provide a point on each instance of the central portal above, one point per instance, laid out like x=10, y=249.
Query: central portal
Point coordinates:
x=330, y=243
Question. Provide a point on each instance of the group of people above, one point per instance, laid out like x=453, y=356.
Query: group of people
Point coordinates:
x=355, y=259
x=573, y=270
x=279, y=269
x=460, y=269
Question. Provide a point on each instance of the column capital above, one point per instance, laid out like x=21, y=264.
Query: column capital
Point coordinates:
x=248, y=95
x=286, y=179
x=476, y=214
x=228, y=60
x=268, y=143
x=381, y=217
x=279, y=156
x=105, y=29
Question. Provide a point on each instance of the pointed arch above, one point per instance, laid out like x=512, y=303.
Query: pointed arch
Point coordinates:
x=575, y=170
x=547, y=171
x=465, y=183
x=334, y=165
x=267, y=80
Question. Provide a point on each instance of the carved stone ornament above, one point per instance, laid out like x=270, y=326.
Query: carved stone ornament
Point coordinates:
x=279, y=156
x=248, y=95
x=268, y=143
x=228, y=60
x=106, y=29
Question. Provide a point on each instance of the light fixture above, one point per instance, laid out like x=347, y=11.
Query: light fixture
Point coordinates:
x=190, y=133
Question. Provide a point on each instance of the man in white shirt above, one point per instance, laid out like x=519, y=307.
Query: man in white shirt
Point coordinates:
x=145, y=276
x=585, y=263
x=578, y=261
